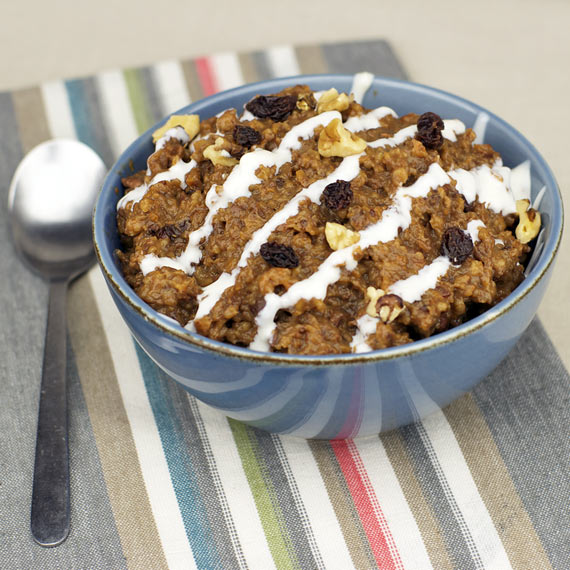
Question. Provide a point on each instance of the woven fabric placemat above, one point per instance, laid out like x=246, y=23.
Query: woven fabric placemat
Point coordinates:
x=160, y=480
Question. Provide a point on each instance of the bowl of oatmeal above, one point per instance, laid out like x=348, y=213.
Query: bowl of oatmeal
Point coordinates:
x=328, y=256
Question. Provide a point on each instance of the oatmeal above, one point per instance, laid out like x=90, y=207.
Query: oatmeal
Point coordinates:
x=305, y=223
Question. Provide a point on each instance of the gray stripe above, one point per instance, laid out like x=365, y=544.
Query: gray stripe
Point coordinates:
x=304, y=519
x=374, y=56
x=526, y=402
x=456, y=535
x=274, y=476
x=155, y=106
x=261, y=65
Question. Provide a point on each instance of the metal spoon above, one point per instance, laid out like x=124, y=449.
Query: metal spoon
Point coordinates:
x=51, y=202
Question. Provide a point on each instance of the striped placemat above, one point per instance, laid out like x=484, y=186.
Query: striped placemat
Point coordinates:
x=160, y=480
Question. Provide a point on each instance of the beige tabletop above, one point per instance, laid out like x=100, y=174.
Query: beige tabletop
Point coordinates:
x=509, y=56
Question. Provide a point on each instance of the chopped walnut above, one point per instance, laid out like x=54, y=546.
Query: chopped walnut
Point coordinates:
x=331, y=100
x=340, y=237
x=190, y=123
x=218, y=155
x=372, y=295
x=335, y=140
x=306, y=102
x=529, y=222
x=389, y=307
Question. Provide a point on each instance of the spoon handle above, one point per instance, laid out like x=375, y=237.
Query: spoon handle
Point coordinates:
x=50, y=494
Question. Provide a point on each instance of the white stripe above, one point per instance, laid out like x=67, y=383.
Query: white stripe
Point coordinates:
x=324, y=523
x=236, y=489
x=58, y=111
x=395, y=507
x=171, y=85
x=117, y=110
x=454, y=471
x=465, y=492
x=152, y=461
x=227, y=70
x=283, y=61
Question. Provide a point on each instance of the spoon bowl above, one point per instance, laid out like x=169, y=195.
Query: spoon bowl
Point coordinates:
x=51, y=200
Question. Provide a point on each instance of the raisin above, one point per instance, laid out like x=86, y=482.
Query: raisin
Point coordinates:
x=456, y=245
x=279, y=255
x=272, y=107
x=170, y=231
x=246, y=136
x=429, y=134
x=337, y=195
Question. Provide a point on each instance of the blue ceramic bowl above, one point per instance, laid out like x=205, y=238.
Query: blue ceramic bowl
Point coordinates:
x=337, y=396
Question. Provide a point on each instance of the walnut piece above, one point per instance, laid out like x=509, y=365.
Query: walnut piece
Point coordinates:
x=372, y=296
x=340, y=237
x=190, y=123
x=529, y=222
x=335, y=140
x=216, y=153
x=331, y=100
x=389, y=307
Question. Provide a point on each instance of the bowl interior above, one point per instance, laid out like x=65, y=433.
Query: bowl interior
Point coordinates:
x=403, y=97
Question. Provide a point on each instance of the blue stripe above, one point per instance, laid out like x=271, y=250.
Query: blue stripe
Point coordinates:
x=88, y=117
x=182, y=472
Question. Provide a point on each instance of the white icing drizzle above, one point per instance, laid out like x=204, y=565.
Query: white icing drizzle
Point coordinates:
x=347, y=170
x=360, y=85
x=410, y=290
x=237, y=186
x=490, y=186
x=247, y=116
x=480, y=127
x=369, y=120
x=365, y=326
x=451, y=128
x=177, y=132
x=401, y=136
x=473, y=228
x=177, y=171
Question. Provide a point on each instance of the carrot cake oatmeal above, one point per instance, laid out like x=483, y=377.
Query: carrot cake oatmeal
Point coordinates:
x=305, y=223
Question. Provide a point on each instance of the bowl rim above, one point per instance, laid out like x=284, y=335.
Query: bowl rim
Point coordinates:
x=169, y=326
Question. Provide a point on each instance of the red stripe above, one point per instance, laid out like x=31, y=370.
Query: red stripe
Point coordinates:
x=206, y=76
x=375, y=526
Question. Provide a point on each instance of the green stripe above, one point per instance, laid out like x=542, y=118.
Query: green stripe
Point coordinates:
x=265, y=500
x=137, y=96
